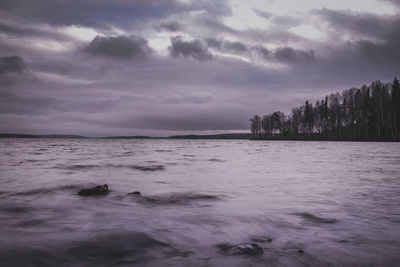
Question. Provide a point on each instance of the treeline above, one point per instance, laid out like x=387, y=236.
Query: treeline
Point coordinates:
x=369, y=113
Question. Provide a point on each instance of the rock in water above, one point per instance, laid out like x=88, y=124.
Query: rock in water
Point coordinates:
x=247, y=249
x=242, y=249
x=94, y=191
x=136, y=193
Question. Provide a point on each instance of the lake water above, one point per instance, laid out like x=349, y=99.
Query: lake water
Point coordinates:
x=338, y=202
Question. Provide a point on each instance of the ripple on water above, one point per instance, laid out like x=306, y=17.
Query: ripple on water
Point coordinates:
x=176, y=199
x=148, y=168
x=315, y=219
x=216, y=160
x=45, y=190
x=13, y=209
x=81, y=167
x=30, y=223
x=111, y=249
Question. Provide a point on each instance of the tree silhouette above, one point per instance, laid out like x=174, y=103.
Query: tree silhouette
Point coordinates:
x=396, y=108
x=367, y=113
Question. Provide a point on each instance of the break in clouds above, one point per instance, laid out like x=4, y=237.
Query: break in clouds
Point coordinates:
x=175, y=67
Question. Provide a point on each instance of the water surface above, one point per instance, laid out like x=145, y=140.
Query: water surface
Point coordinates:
x=337, y=202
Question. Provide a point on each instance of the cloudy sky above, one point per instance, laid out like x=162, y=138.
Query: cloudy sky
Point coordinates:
x=163, y=67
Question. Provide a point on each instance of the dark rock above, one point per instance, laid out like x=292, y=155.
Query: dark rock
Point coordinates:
x=242, y=249
x=136, y=193
x=94, y=191
x=247, y=249
x=316, y=219
x=300, y=251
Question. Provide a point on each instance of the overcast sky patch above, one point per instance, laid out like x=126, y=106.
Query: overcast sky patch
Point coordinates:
x=101, y=67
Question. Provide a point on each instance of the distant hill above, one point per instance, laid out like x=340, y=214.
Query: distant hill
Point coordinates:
x=66, y=136
x=7, y=135
x=213, y=136
x=130, y=137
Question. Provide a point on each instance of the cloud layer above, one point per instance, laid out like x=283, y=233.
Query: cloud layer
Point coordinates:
x=175, y=67
x=120, y=47
x=11, y=64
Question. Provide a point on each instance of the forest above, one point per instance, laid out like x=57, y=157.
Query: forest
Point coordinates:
x=369, y=113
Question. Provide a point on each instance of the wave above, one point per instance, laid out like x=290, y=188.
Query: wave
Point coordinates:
x=79, y=167
x=14, y=209
x=216, y=160
x=37, y=160
x=112, y=249
x=76, y=167
x=149, y=168
x=315, y=219
x=45, y=190
x=115, y=246
x=245, y=249
x=176, y=199
x=135, y=167
x=29, y=223
x=261, y=239
x=35, y=153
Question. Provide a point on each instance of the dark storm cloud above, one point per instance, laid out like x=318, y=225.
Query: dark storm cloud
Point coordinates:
x=85, y=12
x=120, y=47
x=104, y=13
x=284, y=54
x=235, y=47
x=12, y=64
x=194, y=49
x=394, y=2
x=378, y=36
x=64, y=92
x=275, y=35
x=378, y=52
x=263, y=14
x=263, y=52
x=172, y=26
x=383, y=26
x=214, y=43
x=290, y=55
x=13, y=30
x=227, y=46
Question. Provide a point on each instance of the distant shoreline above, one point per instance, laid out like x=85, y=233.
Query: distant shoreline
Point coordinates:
x=321, y=140
x=236, y=136
x=232, y=136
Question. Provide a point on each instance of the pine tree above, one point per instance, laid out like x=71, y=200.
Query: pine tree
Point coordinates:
x=396, y=107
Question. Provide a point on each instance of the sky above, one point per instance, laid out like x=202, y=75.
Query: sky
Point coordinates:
x=166, y=67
